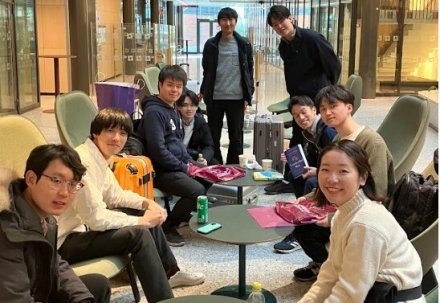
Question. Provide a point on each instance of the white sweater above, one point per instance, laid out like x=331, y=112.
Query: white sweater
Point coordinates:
x=366, y=245
x=101, y=193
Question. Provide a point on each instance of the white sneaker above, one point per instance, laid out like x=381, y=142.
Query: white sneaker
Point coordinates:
x=182, y=278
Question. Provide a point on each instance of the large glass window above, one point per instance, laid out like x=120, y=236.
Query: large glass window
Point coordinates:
x=407, y=46
x=26, y=54
x=7, y=83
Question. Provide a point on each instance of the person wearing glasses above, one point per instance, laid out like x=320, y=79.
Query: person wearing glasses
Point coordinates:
x=31, y=269
x=197, y=137
x=315, y=136
x=228, y=83
x=93, y=226
x=310, y=63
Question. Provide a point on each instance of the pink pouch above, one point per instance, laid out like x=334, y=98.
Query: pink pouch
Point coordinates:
x=216, y=173
x=302, y=212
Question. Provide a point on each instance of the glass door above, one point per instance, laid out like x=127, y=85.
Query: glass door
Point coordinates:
x=7, y=83
x=25, y=44
x=204, y=32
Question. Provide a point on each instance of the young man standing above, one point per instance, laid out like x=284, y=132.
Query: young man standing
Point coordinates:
x=228, y=83
x=31, y=269
x=93, y=227
x=310, y=64
x=335, y=104
x=161, y=131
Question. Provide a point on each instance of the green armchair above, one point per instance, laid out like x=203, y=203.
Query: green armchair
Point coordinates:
x=21, y=136
x=152, y=80
x=354, y=85
x=74, y=112
x=404, y=131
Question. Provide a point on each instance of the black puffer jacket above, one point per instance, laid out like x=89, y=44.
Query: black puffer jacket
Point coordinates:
x=313, y=144
x=201, y=141
x=31, y=269
x=210, y=61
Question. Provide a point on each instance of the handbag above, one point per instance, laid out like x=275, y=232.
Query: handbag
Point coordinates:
x=216, y=173
x=302, y=211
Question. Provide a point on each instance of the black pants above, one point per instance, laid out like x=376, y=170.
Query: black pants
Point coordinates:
x=182, y=185
x=234, y=110
x=151, y=255
x=312, y=239
x=99, y=286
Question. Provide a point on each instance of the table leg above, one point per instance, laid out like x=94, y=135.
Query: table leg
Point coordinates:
x=242, y=291
x=242, y=271
x=239, y=195
x=56, y=74
x=56, y=68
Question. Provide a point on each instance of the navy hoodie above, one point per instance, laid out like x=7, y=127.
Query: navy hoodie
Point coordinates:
x=162, y=134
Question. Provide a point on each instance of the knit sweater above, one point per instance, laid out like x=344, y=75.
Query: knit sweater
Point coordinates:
x=366, y=245
x=379, y=158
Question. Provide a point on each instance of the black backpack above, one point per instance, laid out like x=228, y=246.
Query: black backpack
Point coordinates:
x=414, y=203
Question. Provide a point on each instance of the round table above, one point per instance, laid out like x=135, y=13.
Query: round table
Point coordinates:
x=239, y=228
x=203, y=299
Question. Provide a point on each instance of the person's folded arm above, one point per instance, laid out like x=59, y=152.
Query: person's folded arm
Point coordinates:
x=90, y=205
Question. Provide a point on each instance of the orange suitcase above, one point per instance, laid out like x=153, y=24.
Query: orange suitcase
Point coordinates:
x=134, y=173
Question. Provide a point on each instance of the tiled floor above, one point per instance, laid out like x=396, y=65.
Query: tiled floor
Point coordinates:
x=218, y=260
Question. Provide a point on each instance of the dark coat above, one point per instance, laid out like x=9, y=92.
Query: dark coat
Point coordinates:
x=210, y=61
x=161, y=132
x=31, y=269
x=309, y=63
x=201, y=141
x=314, y=144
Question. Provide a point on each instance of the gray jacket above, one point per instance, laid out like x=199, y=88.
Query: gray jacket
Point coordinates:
x=210, y=61
x=31, y=269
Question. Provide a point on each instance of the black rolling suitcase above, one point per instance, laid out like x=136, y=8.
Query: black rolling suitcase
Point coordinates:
x=268, y=139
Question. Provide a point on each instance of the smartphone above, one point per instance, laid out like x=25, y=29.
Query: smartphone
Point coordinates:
x=210, y=227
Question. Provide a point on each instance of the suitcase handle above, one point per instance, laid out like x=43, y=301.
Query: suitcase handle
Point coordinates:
x=132, y=169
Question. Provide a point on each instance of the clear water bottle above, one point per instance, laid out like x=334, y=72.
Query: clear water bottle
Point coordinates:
x=256, y=296
x=200, y=159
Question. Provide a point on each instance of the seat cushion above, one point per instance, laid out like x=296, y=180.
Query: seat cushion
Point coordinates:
x=108, y=266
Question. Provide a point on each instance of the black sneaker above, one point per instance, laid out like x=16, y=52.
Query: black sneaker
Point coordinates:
x=279, y=187
x=308, y=273
x=288, y=245
x=174, y=238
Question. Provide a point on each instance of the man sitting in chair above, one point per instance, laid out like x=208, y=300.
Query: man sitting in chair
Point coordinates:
x=93, y=228
x=161, y=132
x=31, y=269
x=197, y=136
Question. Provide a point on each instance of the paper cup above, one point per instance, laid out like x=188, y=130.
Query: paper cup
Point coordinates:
x=242, y=160
x=266, y=164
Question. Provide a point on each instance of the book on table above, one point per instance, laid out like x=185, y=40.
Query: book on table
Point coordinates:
x=267, y=175
x=297, y=160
